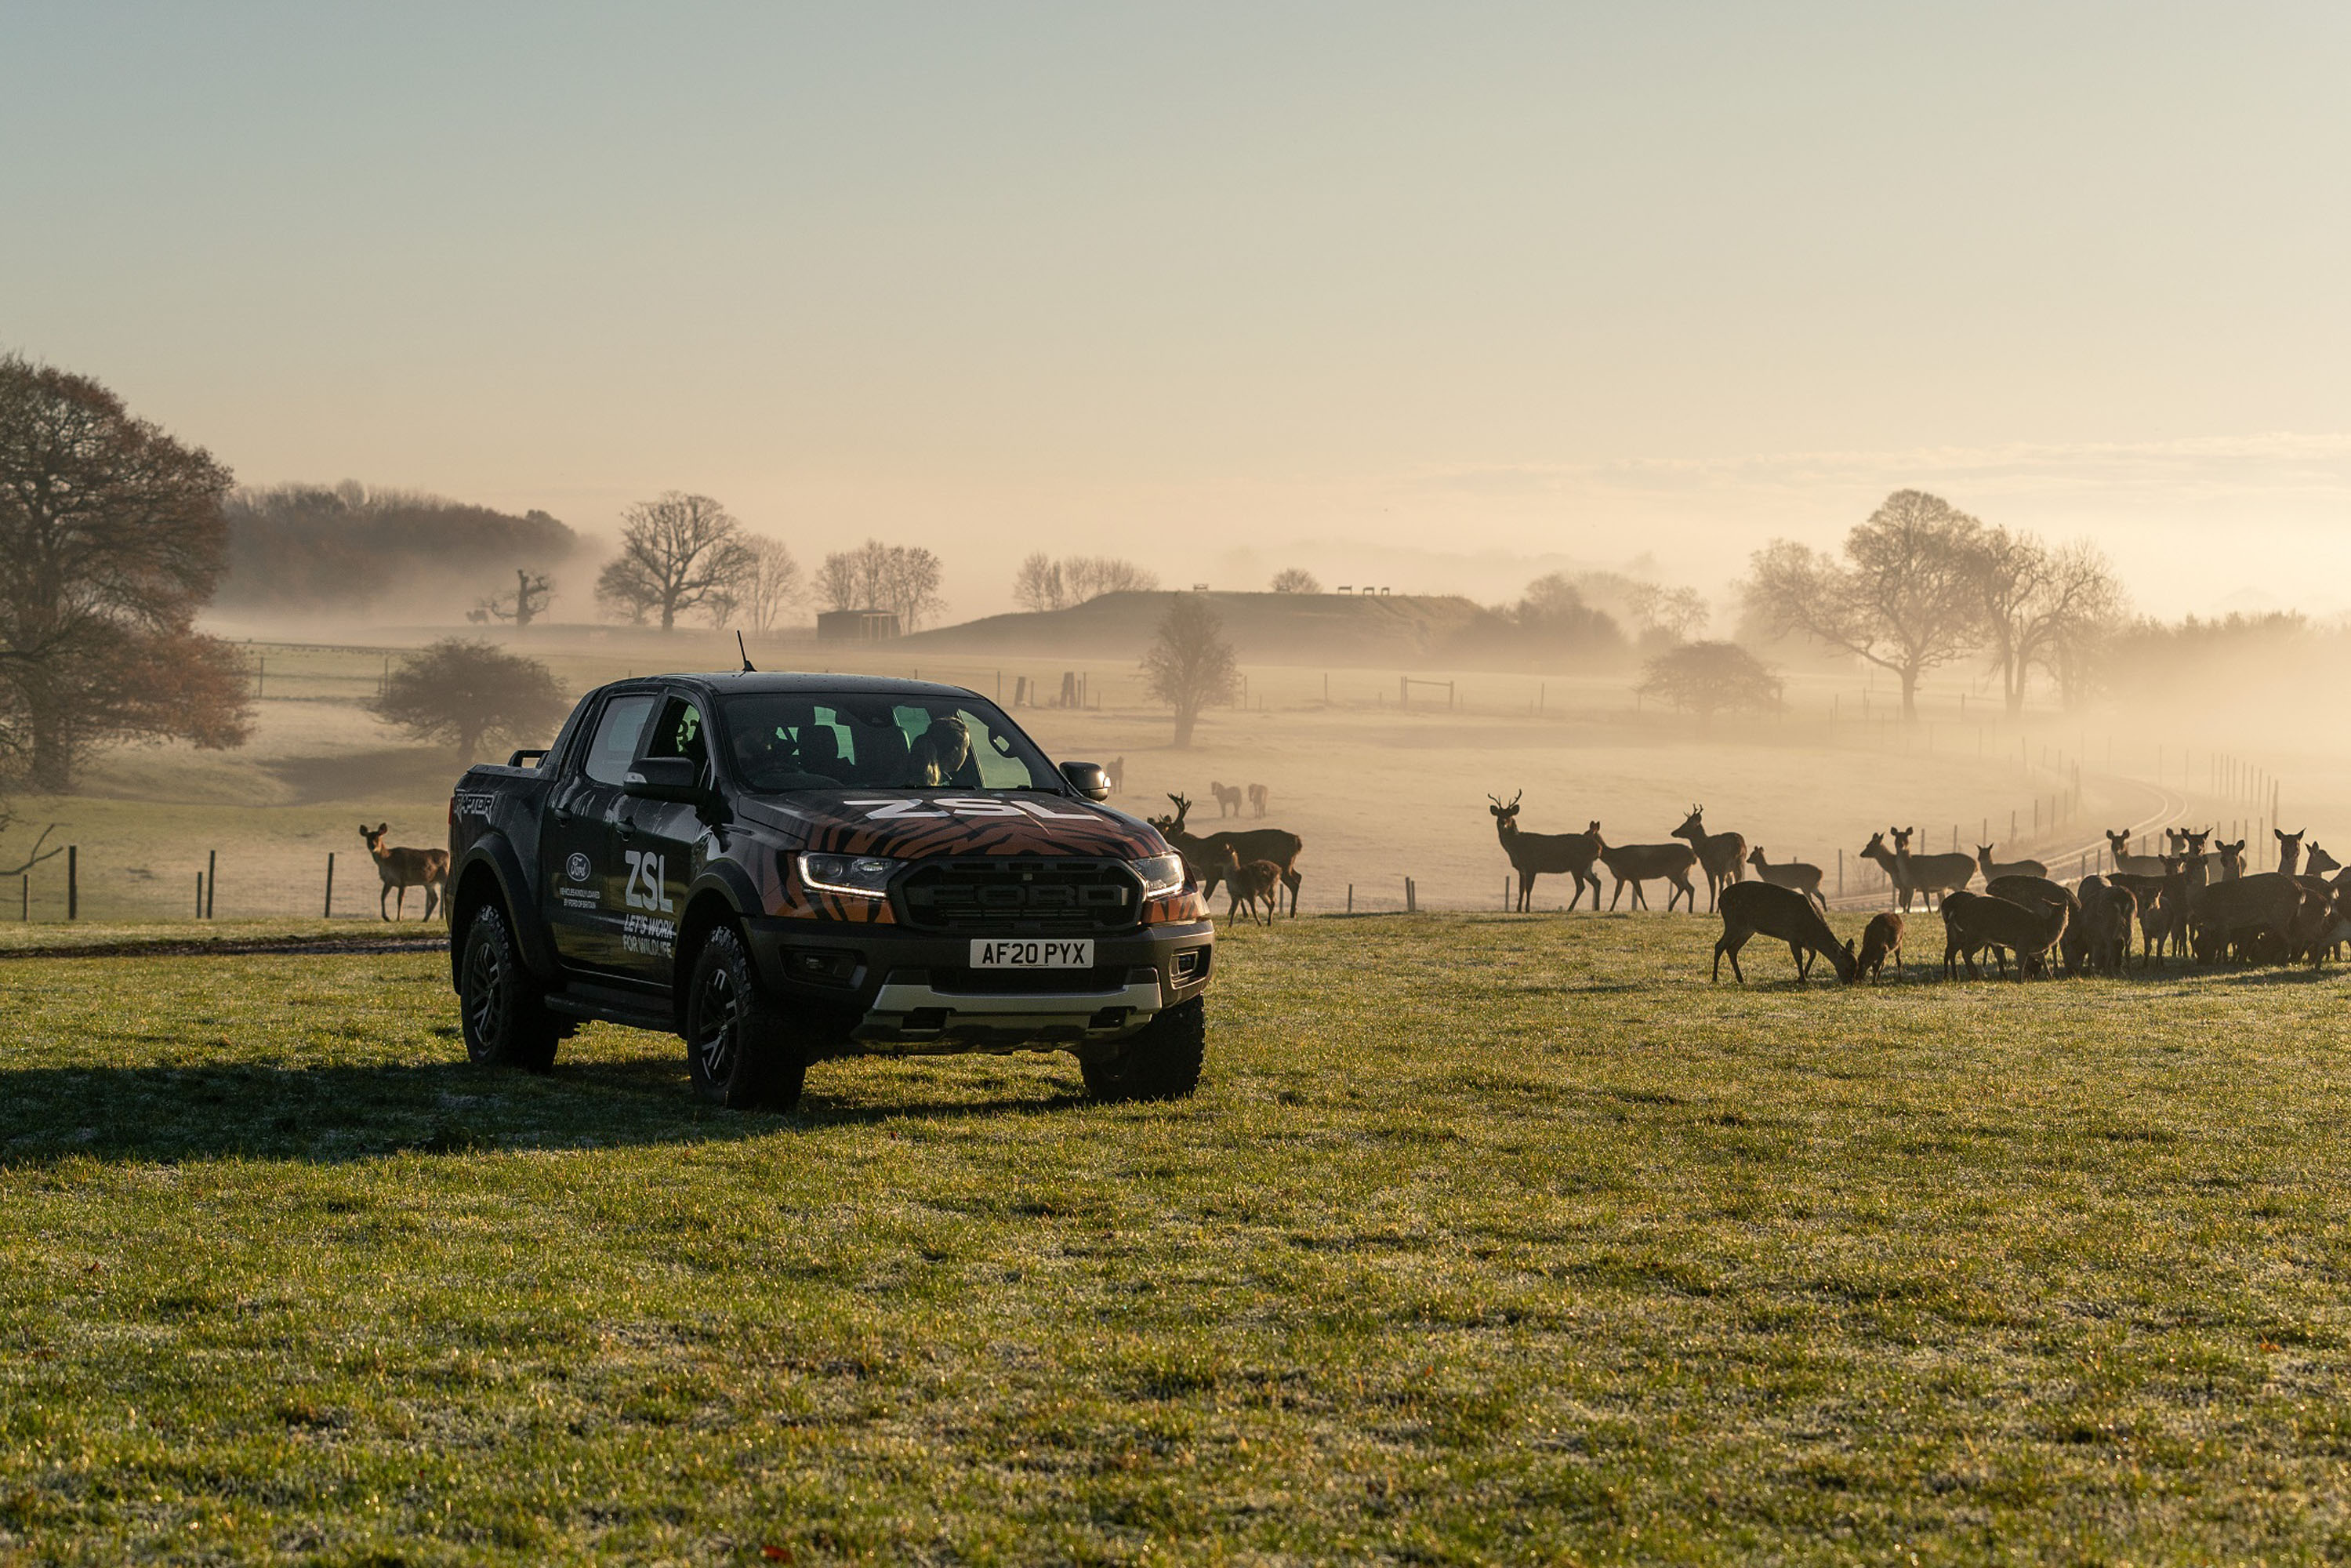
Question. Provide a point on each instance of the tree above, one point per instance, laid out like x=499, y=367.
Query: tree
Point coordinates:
x=1037, y=586
x=461, y=693
x=111, y=539
x=901, y=579
x=314, y=548
x=1674, y=614
x=1189, y=664
x=772, y=587
x=1092, y=576
x=1708, y=678
x=678, y=553
x=1296, y=580
x=2081, y=610
x=523, y=606
x=1906, y=597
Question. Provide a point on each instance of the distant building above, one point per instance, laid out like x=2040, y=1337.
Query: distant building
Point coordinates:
x=856, y=626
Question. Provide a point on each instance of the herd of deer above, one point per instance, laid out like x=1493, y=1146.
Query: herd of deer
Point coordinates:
x=2186, y=901
x=1253, y=864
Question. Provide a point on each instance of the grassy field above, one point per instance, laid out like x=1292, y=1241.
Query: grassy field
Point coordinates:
x=1488, y=1238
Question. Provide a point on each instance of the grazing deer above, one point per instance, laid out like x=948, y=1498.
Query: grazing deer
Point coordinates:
x=1881, y=939
x=1115, y=771
x=2030, y=892
x=1724, y=855
x=404, y=869
x=1229, y=798
x=1259, y=795
x=1972, y=921
x=1251, y=883
x=1632, y=865
x=2232, y=860
x=1205, y=854
x=2118, y=847
x=1533, y=854
x=1992, y=868
x=1929, y=877
x=1805, y=878
x=2289, y=848
x=1750, y=909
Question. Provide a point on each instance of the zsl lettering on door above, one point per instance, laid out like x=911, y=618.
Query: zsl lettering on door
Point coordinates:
x=648, y=877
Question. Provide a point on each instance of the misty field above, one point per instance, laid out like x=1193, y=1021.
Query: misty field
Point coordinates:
x=1487, y=1237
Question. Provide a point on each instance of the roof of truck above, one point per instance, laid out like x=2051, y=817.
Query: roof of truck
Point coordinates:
x=726, y=682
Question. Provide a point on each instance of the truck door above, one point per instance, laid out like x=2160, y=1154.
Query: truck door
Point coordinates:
x=661, y=847
x=579, y=839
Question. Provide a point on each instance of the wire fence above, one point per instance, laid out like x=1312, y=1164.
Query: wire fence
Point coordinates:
x=84, y=882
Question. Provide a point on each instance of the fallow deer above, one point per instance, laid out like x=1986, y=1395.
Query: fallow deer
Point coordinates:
x=2232, y=860
x=1723, y=855
x=1992, y=868
x=2034, y=892
x=2108, y=912
x=2289, y=848
x=1250, y=883
x=2235, y=918
x=1534, y=854
x=2315, y=861
x=2118, y=846
x=1899, y=890
x=1803, y=877
x=1930, y=876
x=1258, y=797
x=402, y=869
x=1972, y=921
x=1205, y=852
x=1229, y=798
x=1751, y=909
x=1881, y=939
x=1632, y=865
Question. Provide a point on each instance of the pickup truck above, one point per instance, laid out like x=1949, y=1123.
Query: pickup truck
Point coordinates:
x=787, y=868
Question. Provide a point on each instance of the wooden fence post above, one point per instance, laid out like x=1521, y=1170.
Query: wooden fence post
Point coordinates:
x=73, y=881
x=212, y=880
x=329, y=913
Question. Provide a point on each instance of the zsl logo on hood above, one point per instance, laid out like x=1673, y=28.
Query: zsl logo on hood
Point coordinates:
x=967, y=806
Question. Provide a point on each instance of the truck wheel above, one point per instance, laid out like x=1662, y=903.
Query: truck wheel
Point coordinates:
x=501, y=1008
x=1162, y=1062
x=741, y=1055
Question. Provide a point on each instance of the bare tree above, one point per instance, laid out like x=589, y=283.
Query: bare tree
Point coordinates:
x=769, y=589
x=1676, y=614
x=678, y=553
x=1037, y=585
x=1708, y=678
x=901, y=579
x=463, y=692
x=1905, y=599
x=2082, y=607
x=524, y=605
x=111, y=539
x=1189, y=664
x=1296, y=580
x=1092, y=576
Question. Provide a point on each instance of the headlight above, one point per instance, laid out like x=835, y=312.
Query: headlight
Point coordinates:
x=860, y=876
x=1161, y=874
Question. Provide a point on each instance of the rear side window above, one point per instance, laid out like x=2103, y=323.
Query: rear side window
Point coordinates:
x=617, y=729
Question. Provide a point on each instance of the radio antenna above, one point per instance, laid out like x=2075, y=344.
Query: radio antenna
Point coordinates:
x=747, y=668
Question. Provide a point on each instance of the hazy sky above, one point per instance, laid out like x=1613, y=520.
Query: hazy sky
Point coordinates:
x=1411, y=293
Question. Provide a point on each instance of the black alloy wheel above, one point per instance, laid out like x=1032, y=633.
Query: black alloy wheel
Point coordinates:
x=1160, y=1061
x=737, y=1047
x=501, y=1009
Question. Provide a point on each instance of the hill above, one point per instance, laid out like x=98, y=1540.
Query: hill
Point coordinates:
x=1265, y=628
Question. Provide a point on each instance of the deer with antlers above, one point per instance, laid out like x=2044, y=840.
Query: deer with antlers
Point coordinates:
x=402, y=869
x=1204, y=852
x=1534, y=854
x=1722, y=856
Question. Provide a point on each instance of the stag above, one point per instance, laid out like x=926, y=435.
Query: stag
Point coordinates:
x=1205, y=852
x=1723, y=855
x=1534, y=854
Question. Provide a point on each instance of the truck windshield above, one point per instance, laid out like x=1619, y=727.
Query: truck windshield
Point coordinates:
x=786, y=741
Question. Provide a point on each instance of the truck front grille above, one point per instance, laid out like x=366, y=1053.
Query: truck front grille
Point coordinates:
x=1025, y=896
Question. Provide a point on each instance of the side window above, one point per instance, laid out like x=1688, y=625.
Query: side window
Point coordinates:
x=617, y=729
x=680, y=733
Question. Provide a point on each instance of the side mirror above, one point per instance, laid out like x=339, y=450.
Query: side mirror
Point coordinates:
x=664, y=778
x=1088, y=779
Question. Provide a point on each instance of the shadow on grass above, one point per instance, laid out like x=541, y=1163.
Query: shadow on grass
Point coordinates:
x=338, y=1114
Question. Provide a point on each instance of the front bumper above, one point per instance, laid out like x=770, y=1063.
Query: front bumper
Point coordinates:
x=884, y=989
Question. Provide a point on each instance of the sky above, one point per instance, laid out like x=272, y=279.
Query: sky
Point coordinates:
x=1435, y=296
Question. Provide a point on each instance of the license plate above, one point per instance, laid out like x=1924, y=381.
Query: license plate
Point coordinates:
x=1025, y=952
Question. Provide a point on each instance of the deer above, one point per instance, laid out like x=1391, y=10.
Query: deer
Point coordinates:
x=1251, y=883
x=2162, y=901
x=2232, y=860
x=1992, y=868
x=1930, y=876
x=1805, y=878
x=1750, y=909
x=2029, y=891
x=1533, y=854
x=1258, y=797
x=2108, y=911
x=403, y=869
x=1897, y=876
x=1723, y=855
x=2289, y=848
x=2315, y=861
x=1115, y=771
x=1634, y=864
x=1881, y=939
x=1204, y=853
x=1229, y=798
x=1973, y=921
x=2236, y=918
x=2118, y=846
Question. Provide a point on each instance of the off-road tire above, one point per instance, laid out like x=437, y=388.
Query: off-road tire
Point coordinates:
x=1160, y=1062
x=501, y=1008
x=736, y=1045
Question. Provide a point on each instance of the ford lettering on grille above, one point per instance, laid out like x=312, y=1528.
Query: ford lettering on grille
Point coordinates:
x=1023, y=896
